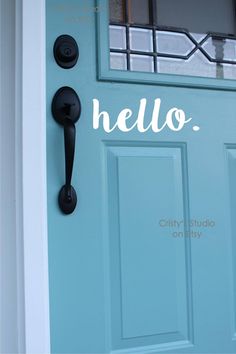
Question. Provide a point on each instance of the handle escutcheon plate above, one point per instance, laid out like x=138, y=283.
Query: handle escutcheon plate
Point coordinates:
x=66, y=103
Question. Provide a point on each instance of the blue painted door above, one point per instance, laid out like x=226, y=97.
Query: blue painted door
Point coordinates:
x=146, y=262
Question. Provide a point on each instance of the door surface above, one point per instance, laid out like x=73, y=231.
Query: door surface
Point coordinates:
x=146, y=262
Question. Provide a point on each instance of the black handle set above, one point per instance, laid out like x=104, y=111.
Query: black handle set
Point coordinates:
x=66, y=110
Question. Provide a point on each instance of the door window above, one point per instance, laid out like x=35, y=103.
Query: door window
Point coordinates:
x=184, y=37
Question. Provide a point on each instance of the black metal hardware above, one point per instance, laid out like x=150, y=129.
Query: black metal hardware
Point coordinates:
x=66, y=110
x=66, y=51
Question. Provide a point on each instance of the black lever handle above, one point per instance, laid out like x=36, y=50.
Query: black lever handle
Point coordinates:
x=69, y=138
x=66, y=109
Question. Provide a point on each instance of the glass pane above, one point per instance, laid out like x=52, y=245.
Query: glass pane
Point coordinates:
x=117, y=13
x=187, y=67
x=197, y=65
x=173, y=43
x=141, y=39
x=189, y=37
x=138, y=11
x=221, y=49
x=199, y=16
x=118, y=61
x=198, y=36
x=141, y=63
x=117, y=37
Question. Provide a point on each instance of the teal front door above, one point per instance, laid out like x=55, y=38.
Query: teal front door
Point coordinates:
x=146, y=262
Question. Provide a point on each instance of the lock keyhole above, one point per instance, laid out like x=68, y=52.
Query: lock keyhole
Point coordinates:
x=67, y=52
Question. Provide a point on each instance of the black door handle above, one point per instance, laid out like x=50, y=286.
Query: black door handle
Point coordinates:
x=67, y=193
x=66, y=110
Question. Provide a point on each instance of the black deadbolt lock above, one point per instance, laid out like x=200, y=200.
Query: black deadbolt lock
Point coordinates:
x=66, y=51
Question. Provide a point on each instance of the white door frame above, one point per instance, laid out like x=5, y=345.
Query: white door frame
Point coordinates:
x=28, y=213
x=32, y=88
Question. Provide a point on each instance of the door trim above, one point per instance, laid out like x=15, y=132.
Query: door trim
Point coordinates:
x=30, y=177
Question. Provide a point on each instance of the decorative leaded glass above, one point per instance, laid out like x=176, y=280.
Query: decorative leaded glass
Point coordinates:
x=138, y=12
x=117, y=12
x=175, y=37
